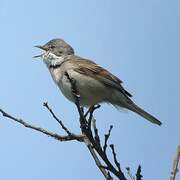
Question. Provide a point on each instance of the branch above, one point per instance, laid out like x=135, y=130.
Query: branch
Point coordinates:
x=44, y=131
x=175, y=164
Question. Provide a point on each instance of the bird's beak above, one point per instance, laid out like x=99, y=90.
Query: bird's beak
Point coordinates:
x=37, y=56
x=40, y=47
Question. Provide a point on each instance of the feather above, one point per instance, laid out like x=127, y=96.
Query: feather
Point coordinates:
x=89, y=68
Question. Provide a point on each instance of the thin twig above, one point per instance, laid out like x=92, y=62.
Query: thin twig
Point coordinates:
x=175, y=164
x=87, y=112
x=91, y=112
x=109, y=176
x=44, y=131
x=92, y=109
x=138, y=173
x=96, y=159
x=115, y=158
x=106, y=136
x=96, y=134
x=129, y=173
x=45, y=104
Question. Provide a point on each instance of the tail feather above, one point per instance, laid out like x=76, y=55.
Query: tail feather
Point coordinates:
x=133, y=107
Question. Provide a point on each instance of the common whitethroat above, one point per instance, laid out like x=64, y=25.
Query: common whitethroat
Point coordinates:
x=94, y=84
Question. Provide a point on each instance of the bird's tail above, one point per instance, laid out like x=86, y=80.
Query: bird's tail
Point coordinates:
x=133, y=107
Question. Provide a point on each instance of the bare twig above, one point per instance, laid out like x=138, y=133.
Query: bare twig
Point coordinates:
x=45, y=104
x=96, y=134
x=44, y=131
x=106, y=136
x=109, y=176
x=115, y=158
x=88, y=111
x=96, y=159
x=138, y=173
x=129, y=173
x=175, y=164
x=91, y=111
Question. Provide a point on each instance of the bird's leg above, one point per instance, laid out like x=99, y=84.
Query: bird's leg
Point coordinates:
x=91, y=111
x=88, y=111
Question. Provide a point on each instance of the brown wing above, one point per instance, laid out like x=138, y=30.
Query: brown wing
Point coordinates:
x=89, y=68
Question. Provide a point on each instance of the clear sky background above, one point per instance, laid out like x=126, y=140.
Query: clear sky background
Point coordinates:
x=136, y=40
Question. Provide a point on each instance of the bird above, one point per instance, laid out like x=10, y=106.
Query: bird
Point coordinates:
x=94, y=83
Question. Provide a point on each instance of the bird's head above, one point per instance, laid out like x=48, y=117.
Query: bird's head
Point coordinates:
x=56, y=46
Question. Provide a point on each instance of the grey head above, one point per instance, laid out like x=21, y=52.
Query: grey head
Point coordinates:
x=58, y=47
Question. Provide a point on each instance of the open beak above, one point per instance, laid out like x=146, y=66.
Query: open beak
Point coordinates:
x=38, y=56
x=40, y=47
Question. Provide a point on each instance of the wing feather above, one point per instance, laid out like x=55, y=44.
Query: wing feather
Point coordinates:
x=89, y=68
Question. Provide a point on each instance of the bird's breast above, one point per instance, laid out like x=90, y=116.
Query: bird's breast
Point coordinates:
x=57, y=74
x=91, y=91
x=60, y=79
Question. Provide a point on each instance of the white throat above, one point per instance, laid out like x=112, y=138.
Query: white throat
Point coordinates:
x=51, y=59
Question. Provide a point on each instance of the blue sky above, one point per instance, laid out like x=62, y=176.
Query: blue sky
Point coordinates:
x=138, y=41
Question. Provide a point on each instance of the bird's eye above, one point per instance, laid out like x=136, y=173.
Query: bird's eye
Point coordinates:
x=52, y=47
